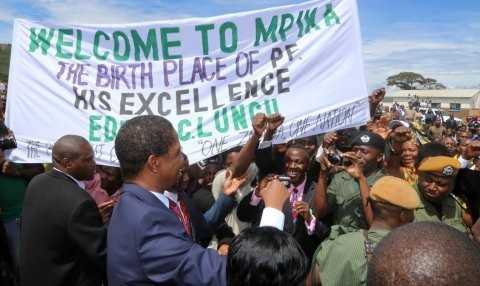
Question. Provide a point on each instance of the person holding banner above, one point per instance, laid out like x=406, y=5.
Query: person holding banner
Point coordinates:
x=299, y=218
x=151, y=236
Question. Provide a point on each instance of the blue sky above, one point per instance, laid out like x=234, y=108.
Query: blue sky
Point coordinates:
x=439, y=39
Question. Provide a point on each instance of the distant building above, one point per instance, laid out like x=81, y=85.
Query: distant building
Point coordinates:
x=445, y=99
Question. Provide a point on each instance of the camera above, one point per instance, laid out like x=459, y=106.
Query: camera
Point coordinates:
x=285, y=180
x=335, y=158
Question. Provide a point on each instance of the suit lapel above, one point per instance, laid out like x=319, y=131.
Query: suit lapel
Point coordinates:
x=62, y=176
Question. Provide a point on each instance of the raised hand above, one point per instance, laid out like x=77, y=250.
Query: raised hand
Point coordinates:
x=355, y=169
x=274, y=121
x=401, y=134
x=303, y=209
x=106, y=210
x=259, y=123
x=223, y=249
x=376, y=96
x=231, y=185
x=329, y=139
x=274, y=194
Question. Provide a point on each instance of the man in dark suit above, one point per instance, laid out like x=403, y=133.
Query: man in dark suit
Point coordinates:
x=153, y=232
x=299, y=218
x=62, y=237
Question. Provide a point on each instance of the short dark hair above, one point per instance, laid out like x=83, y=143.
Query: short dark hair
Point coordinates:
x=432, y=149
x=139, y=138
x=384, y=210
x=299, y=146
x=266, y=256
x=425, y=253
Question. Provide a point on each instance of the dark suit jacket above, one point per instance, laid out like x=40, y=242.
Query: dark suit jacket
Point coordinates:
x=62, y=237
x=309, y=243
x=147, y=245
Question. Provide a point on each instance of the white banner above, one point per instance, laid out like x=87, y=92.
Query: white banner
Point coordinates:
x=208, y=76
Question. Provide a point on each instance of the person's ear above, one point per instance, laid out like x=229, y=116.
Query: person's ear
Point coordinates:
x=407, y=216
x=66, y=163
x=380, y=157
x=153, y=164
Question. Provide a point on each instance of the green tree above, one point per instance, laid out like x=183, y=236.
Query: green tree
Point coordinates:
x=430, y=83
x=411, y=80
x=405, y=80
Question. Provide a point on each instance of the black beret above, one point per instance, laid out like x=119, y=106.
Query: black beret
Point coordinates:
x=366, y=138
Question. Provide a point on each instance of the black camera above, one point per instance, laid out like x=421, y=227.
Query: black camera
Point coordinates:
x=335, y=158
x=7, y=140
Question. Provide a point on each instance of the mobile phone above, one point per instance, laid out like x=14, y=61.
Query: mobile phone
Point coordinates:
x=285, y=180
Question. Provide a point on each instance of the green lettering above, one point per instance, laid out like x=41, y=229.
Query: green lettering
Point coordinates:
x=268, y=107
x=204, y=30
x=286, y=24
x=146, y=48
x=275, y=106
x=201, y=133
x=218, y=125
x=94, y=127
x=263, y=34
x=253, y=108
x=330, y=15
x=182, y=135
x=61, y=42
x=300, y=24
x=116, y=46
x=40, y=39
x=78, y=48
x=166, y=44
x=110, y=128
x=223, y=45
x=309, y=19
x=96, y=44
x=239, y=119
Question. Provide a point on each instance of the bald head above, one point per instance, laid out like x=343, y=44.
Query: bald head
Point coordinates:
x=73, y=155
x=68, y=146
x=425, y=253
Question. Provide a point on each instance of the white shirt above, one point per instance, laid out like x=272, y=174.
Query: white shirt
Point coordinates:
x=162, y=198
x=79, y=183
x=270, y=216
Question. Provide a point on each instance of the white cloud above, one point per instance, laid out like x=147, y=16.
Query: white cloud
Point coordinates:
x=454, y=63
x=102, y=12
x=382, y=48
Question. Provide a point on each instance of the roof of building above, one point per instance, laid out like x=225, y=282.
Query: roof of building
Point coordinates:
x=457, y=93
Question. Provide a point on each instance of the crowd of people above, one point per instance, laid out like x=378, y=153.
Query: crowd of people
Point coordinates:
x=393, y=202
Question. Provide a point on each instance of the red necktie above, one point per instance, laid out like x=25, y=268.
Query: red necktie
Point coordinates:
x=293, y=199
x=182, y=214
